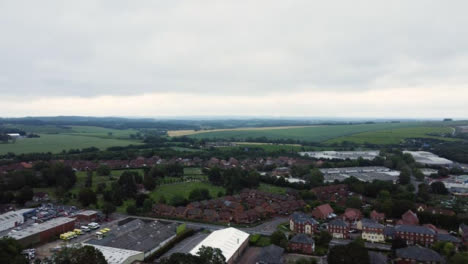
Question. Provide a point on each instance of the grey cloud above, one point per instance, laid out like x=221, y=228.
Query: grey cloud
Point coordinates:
x=91, y=48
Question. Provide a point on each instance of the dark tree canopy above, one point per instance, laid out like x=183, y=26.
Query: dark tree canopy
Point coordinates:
x=72, y=255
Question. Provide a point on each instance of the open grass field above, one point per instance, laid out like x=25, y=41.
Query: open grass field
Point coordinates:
x=271, y=188
x=184, y=189
x=394, y=136
x=56, y=139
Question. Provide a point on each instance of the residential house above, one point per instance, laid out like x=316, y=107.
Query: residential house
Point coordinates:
x=302, y=243
x=323, y=212
x=271, y=254
x=339, y=228
x=376, y=216
x=409, y=218
x=372, y=231
x=302, y=223
x=417, y=254
x=416, y=234
x=352, y=215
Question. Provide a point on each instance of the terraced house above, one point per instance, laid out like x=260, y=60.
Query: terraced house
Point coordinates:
x=338, y=229
x=416, y=234
x=302, y=223
x=372, y=231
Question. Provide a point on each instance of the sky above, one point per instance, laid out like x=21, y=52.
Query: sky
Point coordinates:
x=157, y=58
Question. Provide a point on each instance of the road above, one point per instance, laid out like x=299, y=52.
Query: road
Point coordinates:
x=379, y=246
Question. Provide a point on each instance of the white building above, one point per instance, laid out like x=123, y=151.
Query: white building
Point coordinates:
x=230, y=241
x=428, y=158
x=342, y=155
x=14, y=135
x=11, y=219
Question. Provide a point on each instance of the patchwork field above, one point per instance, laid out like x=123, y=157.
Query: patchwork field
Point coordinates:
x=179, y=133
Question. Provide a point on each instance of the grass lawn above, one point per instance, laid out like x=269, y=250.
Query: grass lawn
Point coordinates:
x=271, y=188
x=184, y=189
x=394, y=136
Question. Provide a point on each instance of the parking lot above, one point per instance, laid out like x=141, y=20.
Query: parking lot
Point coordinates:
x=186, y=245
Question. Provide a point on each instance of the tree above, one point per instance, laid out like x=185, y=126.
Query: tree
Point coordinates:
x=405, y=176
x=178, y=200
x=132, y=209
x=181, y=258
x=10, y=251
x=147, y=205
x=149, y=182
x=199, y=194
x=323, y=239
x=89, y=179
x=103, y=170
x=315, y=178
x=101, y=187
x=24, y=195
x=87, y=196
x=215, y=177
x=162, y=200
x=75, y=255
x=211, y=255
x=354, y=202
x=278, y=238
x=439, y=188
x=417, y=173
x=354, y=252
x=459, y=258
x=128, y=184
x=108, y=209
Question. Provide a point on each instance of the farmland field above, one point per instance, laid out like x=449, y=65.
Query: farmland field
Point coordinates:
x=394, y=136
x=326, y=133
x=56, y=139
x=179, y=133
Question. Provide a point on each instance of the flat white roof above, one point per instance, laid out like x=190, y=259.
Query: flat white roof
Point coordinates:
x=229, y=240
x=429, y=158
x=87, y=212
x=117, y=255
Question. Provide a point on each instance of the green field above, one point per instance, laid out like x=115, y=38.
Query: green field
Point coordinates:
x=56, y=139
x=329, y=132
x=184, y=189
x=394, y=136
x=271, y=188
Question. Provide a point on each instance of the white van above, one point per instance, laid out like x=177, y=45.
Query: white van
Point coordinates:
x=93, y=225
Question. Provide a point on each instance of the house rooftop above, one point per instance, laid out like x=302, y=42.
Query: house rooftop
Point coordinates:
x=414, y=229
x=419, y=253
x=302, y=239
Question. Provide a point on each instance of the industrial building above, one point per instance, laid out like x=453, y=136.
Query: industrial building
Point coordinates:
x=138, y=235
x=428, y=158
x=365, y=174
x=40, y=233
x=14, y=218
x=118, y=255
x=341, y=155
x=230, y=241
x=87, y=216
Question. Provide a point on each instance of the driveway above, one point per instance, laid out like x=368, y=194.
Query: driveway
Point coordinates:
x=186, y=245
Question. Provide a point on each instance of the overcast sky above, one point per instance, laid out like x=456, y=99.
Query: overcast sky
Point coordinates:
x=277, y=58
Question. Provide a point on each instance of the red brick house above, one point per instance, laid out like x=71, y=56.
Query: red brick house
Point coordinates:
x=376, y=216
x=416, y=234
x=180, y=212
x=417, y=254
x=210, y=215
x=323, y=212
x=352, y=215
x=302, y=223
x=339, y=229
x=164, y=210
x=194, y=213
x=331, y=192
x=302, y=243
x=409, y=218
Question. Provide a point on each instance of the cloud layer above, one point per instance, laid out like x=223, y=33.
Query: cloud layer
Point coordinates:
x=241, y=57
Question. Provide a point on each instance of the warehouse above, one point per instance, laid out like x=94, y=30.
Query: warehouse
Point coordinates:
x=40, y=233
x=341, y=155
x=230, y=241
x=10, y=219
x=428, y=158
x=139, y=235
x=87, y=216
x=118, y=255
